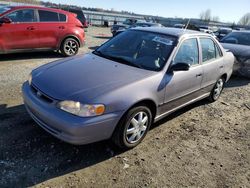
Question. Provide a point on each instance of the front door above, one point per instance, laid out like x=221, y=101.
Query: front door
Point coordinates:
x=22, y=32
x=183, y=86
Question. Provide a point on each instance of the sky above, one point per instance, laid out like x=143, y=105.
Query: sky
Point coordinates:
x=226, y=10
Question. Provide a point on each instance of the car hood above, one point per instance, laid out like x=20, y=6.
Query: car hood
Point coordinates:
x=238, y=50
x=85, y=77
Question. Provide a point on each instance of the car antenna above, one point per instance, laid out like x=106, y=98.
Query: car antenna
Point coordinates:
x=187, y=25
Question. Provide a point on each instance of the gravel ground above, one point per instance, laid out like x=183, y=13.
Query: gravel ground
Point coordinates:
x=202, y=145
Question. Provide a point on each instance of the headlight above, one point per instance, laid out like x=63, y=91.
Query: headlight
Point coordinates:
x=30, y=78
x=82, y=110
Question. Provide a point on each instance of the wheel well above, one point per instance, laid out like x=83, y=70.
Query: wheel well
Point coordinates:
x=78, y=41
x=224, y=76
x=148, y=103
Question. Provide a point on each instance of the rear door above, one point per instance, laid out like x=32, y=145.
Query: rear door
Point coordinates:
x=22, y=32
x=52, y=25
x=183, y=86
x=212, y=62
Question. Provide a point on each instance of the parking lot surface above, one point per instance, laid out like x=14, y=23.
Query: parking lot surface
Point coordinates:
x=203, y=145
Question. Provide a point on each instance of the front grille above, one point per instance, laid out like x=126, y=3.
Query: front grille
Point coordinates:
x=40, y=95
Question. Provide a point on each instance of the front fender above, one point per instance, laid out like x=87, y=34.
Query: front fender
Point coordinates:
x=123, y=98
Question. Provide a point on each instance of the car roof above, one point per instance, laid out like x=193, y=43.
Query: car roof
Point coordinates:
x=241, y=31
x=149, y=23
x=39, y=7
x=177, y=32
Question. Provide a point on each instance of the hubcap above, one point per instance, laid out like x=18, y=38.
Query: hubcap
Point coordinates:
x=70, y=47
x=137, y=127
x=218, y=88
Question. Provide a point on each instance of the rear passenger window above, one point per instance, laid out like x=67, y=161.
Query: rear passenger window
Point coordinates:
x=218, y=51
x=208, y=49
x=62, y=17
x=47, y=16
x=188, y=53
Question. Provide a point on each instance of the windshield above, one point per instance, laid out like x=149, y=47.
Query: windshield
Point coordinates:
x=242, y=38
x=4, y=9
x=141, y=49
x=129, y=21
x=224, y=31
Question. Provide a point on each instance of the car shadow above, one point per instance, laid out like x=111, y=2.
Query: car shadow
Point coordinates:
x=180, y=112
x=33, y=156
x=43, y=156
x=237, y=81
x=93, y=47
x=30, y=55
x=102, y=37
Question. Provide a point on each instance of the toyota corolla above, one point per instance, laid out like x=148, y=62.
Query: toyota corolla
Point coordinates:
x=131, y=81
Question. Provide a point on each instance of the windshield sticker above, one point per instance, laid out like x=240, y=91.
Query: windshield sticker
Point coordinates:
x=163, y=41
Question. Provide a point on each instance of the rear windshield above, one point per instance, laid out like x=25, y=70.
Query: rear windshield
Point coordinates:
x=144, y=50
x=80, y=15
x=237, y=38
x=4, y=9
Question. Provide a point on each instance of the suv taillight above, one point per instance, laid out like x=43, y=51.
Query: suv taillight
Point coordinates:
x=78, y=25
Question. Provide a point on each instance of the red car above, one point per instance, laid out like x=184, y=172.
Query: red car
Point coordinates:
x=30, y=28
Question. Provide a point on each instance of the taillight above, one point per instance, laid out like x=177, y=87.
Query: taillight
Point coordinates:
x=81, y=26
x=86, y=24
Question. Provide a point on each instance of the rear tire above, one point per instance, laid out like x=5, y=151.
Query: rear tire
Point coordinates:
x=69, y=47
x=217, y=90
x=132, y=128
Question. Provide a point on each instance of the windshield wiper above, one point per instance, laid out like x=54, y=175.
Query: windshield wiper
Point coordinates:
x=115, y=58
x=125, y=61
x=99, y=53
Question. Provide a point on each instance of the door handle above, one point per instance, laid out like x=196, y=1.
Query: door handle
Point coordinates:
x=198, y=75
x=221, y=66
x=30, y=28
x=61, y=27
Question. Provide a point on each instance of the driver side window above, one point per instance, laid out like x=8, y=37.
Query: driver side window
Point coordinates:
x=188, y=53
x=26, y=15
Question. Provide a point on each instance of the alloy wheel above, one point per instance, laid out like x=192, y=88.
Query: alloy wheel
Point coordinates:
x=71, y=47
x=218, y=88
x=137, y=127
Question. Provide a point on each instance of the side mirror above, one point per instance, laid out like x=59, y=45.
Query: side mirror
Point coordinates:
x=5, y=20
x=179, y=67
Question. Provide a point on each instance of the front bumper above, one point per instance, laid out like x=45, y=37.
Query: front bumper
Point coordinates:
x=67, y=127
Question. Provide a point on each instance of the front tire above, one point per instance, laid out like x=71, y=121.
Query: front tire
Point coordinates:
x=217, y=90
x=132, y=128
x=69, y=47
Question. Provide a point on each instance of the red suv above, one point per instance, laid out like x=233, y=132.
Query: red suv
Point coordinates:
x=29, y=28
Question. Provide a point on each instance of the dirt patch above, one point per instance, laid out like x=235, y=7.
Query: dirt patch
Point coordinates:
x=202, y=145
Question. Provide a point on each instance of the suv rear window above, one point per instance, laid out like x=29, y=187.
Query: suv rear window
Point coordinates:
x=79, y=14
x=47, y=16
